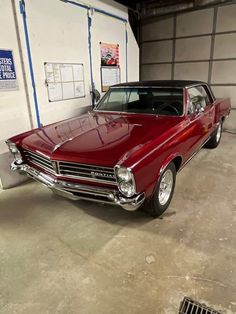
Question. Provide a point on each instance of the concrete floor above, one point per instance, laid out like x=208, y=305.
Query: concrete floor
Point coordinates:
x=59, y=256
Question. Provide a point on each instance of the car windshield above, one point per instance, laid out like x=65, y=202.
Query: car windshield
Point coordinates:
x=144, y=100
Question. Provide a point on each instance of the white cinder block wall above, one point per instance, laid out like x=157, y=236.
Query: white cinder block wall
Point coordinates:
x=198, y=45
x=58, y=32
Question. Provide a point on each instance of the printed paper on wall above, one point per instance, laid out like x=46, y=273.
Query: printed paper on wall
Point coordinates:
x=110, y=76
x=64, y=81
x=109, y=54
x=8, y=79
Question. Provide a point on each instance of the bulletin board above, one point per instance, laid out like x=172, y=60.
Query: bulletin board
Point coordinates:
x=64, y=80
x=109, y=76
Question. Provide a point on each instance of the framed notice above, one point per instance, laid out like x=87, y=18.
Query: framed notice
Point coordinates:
x=64, y=80
x=8, y=79
x=109, y=54
x=109, y=76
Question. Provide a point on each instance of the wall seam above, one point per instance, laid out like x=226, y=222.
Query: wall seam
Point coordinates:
x=190, y=36
x=87, y=7
x=173, y=47
x=212, y=45
x=90, y=57
x=26, y=89
x=191, y=61
x=27, y=41
x=140, y=50
x=126, y=52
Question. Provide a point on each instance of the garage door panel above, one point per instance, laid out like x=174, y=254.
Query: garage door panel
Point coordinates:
x=225, y=46
x=223, y=72
x=157, y=52
x=224, y=92
x=226, y=20
x=195, y=23
x=193, y=49
x=191, y=71
x=156, y=72
x=204, y=49
x=160, y=29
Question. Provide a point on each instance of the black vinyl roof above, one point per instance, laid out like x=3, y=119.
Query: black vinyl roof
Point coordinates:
x=162, y=83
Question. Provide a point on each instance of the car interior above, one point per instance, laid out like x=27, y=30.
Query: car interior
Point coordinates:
x=147, y=102
x=162, y=105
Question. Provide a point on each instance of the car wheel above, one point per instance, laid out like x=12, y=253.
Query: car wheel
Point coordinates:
x=214, y=141
x=163, y=192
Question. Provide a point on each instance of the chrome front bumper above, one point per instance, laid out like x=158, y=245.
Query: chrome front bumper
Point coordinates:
x=76, y=191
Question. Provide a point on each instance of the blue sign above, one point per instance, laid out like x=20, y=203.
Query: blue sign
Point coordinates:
x=7, y=70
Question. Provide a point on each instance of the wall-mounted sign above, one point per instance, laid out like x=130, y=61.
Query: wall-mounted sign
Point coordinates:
x=64, y=80
x=8, y=79
x=110, y=76
x=109, y=54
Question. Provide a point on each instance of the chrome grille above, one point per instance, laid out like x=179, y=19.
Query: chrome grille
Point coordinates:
x=89, y=172
x=39, y=160
x=72, y=169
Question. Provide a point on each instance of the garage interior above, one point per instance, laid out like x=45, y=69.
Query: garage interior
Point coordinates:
x=62, y=256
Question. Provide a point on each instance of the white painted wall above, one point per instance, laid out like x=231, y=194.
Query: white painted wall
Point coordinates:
x=103, y=33
x=14, y=115
x=58, y=32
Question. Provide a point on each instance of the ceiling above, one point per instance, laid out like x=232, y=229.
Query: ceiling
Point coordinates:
x=153, y=8
x=133, y=4
x=146, y=10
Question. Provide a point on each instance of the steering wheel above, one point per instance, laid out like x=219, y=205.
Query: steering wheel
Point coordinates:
x=172, y=108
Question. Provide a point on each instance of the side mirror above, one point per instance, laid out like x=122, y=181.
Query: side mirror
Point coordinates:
x=96, y=95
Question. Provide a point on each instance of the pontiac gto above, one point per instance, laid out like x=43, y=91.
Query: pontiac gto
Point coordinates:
x=127, y=150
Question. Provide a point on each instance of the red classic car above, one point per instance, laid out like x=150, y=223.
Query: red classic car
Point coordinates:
x=127, y=150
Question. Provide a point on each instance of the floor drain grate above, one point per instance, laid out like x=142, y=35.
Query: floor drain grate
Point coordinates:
x=188, y=306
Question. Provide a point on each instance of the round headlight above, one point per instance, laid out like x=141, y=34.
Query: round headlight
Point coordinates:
x=12, y=147
x=124, y=174
x=127, y=188
x=125, y=181
x=15, y=151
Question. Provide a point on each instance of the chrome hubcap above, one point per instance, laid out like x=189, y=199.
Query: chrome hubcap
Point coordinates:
x=218, y=133
x=165, y=188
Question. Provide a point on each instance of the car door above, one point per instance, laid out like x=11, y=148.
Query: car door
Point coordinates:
x=208, y=113
x=198, y=118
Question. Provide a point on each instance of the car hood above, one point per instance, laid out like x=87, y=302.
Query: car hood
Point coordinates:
x=98, y=137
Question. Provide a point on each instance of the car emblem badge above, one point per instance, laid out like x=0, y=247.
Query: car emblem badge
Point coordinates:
x=103, y=175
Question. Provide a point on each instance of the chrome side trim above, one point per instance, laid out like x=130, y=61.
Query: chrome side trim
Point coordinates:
x=76, y=191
